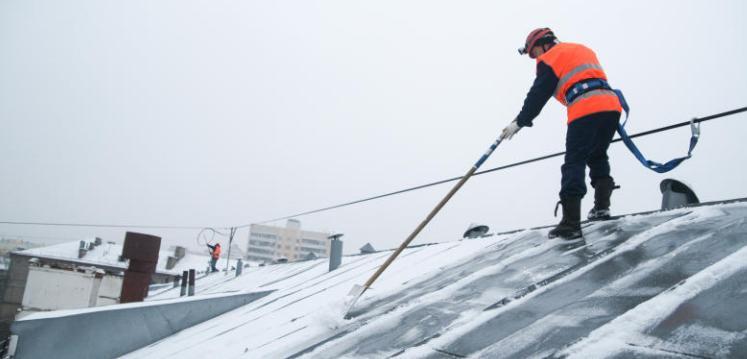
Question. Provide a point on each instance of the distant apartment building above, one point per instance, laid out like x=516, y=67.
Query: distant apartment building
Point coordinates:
x=269, y=243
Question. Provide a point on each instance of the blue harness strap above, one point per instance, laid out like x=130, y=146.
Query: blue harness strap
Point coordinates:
x=596, y=84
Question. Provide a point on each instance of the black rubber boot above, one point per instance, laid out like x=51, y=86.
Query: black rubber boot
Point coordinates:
x=569, y=227
x=603, y=188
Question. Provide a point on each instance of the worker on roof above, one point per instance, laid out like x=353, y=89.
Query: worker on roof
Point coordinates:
x=214, y=255
x=572, y=74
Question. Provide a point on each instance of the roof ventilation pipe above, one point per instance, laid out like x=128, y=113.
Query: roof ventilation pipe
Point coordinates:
x=171, y=262
x=180, y=252
x=239, y=267
x=82, y=249
x=142, y=250
x=335, y=251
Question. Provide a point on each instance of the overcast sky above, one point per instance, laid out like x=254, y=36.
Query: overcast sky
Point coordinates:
x=224, y=113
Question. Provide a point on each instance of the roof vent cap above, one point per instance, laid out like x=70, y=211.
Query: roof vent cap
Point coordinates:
x=676, y=194
x=367, y=249
x=476, y=230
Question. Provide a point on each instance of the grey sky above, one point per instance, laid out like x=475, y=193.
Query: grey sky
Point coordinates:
x=224, y=113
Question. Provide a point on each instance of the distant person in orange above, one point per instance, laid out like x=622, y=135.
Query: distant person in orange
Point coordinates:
x=572, y=74
x=214, y=255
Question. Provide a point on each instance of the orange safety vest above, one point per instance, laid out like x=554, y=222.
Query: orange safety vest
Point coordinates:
x=216, y=252
x=572, y=63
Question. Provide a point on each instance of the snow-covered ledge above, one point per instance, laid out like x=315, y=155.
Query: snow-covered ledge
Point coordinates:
x=111, y=331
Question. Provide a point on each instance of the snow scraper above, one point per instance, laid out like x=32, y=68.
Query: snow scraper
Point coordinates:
x=357, y=291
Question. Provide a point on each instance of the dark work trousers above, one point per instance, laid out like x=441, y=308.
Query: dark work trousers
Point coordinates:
x=586, y=144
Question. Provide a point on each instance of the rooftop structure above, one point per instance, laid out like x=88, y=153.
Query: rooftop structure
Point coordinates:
x=663, y=284
x=107, y=255
x=74, y=255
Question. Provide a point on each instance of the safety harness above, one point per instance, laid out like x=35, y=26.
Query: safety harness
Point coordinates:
x=585, y=86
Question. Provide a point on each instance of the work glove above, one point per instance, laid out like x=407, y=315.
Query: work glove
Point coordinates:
x=510, y=130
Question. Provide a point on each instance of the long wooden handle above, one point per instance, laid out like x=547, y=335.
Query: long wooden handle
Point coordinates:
x=418, y=229
x=430, y=216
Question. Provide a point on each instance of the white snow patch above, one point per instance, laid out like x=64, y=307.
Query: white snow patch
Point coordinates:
x=697, y=338
x=627, y=327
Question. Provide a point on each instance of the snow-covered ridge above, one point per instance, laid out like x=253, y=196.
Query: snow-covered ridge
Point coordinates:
x=656, y=281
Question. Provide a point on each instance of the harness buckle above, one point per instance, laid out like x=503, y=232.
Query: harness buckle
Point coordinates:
x=583, y=87
x=695, y=128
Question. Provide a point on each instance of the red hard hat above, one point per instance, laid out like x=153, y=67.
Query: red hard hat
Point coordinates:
x=533, y=37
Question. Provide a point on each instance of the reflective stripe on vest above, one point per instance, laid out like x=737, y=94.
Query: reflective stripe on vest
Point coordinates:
x=571, y=64
x=592, y=93
x=563, y=81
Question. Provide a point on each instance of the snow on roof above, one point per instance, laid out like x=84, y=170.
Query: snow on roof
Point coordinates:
x=666, y=284
x=107, y=254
